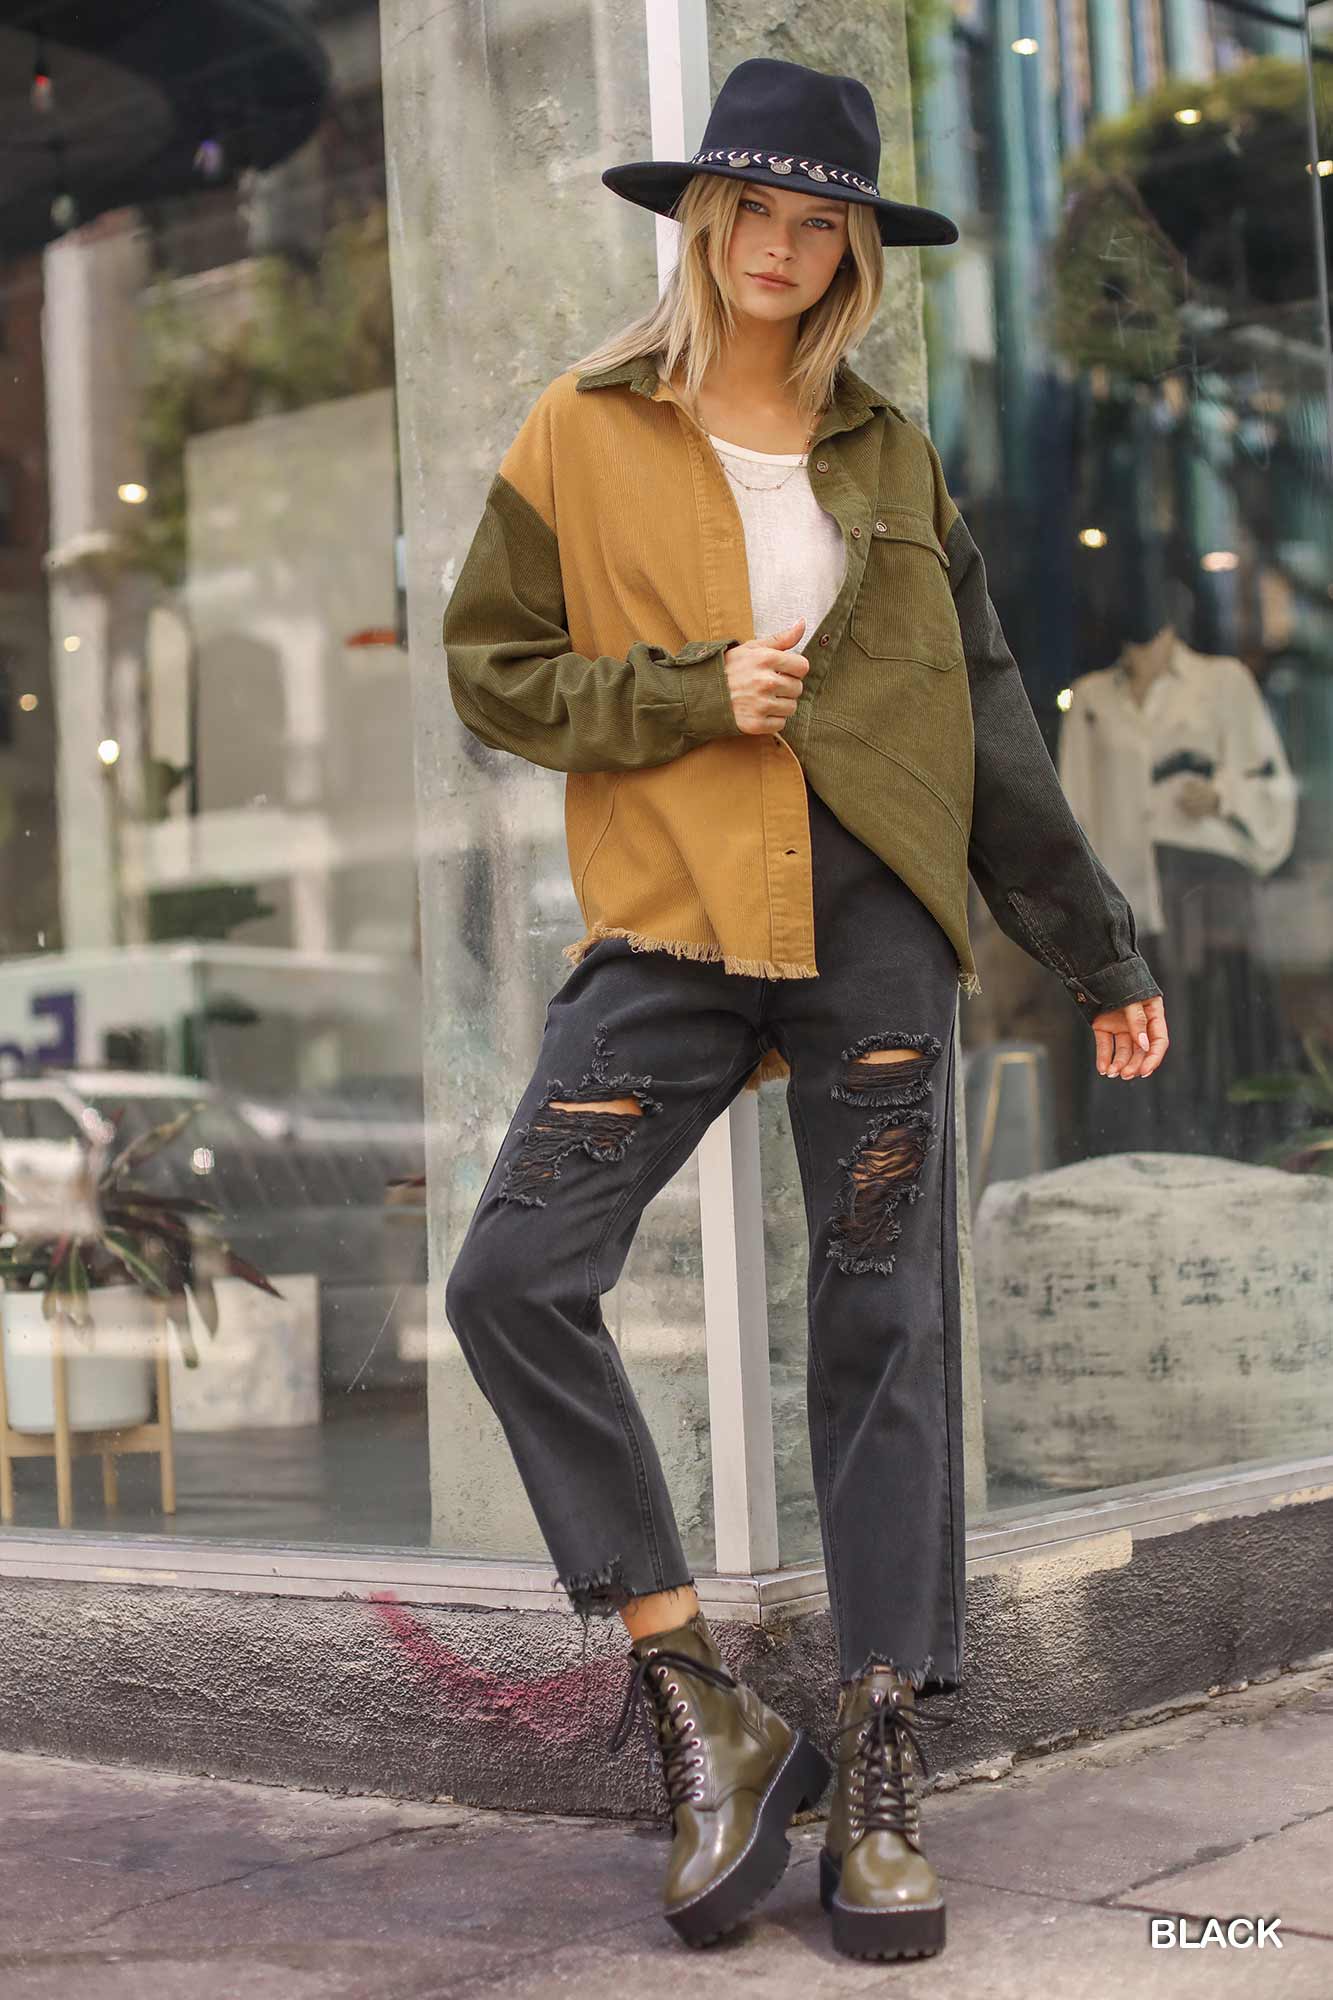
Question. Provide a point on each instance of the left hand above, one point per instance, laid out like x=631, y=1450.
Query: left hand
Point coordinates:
x=1197, y=796
x=1132, y=1040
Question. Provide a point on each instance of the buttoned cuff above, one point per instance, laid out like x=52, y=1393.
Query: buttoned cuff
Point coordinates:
x=1114, y=985
x=708, y=709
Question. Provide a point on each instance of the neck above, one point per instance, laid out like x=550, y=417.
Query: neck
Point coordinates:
x=1150, y=658
x=754, y=364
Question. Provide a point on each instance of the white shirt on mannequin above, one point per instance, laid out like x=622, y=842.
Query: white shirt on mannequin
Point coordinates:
x=1121, y=764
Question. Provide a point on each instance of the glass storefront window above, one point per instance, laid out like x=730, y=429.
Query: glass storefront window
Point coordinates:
x=209, y=837
x=1130, y=389
x=253, y=867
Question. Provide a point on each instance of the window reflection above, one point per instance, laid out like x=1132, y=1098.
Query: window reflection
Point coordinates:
x=1137, y=426
x=221, y=818
x=207, y=824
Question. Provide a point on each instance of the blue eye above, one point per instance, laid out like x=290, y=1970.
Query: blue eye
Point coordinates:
x=753, y=201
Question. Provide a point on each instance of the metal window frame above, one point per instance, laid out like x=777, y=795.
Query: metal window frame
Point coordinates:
x=1140, y=1511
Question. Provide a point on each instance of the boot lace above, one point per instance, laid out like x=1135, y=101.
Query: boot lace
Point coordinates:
x=882, y=1793
x=669, y=1724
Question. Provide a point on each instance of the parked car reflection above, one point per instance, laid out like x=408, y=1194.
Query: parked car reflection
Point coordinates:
x=302, y=1181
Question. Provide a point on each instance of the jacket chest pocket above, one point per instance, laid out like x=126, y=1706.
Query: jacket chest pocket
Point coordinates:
x=904, y=609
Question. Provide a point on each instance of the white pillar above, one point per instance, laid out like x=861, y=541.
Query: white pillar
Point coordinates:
x=92, y=281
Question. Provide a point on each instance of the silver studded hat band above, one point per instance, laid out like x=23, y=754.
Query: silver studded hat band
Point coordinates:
x=779, y=163
x=788, y=126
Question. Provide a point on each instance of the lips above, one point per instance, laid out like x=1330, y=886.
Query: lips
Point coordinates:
x=767, y=278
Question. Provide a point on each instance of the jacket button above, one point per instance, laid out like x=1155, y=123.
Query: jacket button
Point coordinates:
x=821, y=465
x=857, y=533
x=825, y=639
x=881, y=527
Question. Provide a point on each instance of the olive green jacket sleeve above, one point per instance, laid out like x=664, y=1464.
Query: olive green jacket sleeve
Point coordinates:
x=1029, y=857
x=517, y=685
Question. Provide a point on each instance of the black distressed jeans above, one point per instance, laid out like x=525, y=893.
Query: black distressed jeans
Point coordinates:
x=870, y=1046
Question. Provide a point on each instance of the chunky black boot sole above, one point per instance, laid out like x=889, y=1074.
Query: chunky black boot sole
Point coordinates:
x=798, y=1782
x=914, y=1931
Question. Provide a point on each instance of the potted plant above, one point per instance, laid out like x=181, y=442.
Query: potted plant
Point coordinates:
x=96, y=1254
x=1309, y=1149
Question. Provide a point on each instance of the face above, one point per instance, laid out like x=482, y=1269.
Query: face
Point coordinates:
x=799, y=237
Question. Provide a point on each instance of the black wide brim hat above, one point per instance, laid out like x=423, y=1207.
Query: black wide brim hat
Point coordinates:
x=788, y=126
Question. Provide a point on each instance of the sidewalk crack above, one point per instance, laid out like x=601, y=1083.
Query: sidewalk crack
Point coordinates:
x=260, y=1868
x=1211, y=1851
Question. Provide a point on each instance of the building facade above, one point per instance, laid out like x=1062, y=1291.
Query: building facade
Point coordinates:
x=256, y=871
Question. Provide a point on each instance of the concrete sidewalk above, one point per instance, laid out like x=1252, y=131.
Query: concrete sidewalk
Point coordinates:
x=119, y=1883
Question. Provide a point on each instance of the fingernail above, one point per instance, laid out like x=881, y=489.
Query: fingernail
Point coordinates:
x=1143, y=1040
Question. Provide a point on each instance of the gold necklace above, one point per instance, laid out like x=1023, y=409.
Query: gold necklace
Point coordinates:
x=778, y=483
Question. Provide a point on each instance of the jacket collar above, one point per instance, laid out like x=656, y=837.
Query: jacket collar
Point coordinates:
x=853, y=397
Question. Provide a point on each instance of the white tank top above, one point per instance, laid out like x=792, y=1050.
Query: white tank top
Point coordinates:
x=796, y=553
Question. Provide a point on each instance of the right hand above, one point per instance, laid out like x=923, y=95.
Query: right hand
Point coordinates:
x=764, y=680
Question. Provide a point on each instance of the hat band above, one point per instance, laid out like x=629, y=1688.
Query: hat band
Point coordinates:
x=786, y=163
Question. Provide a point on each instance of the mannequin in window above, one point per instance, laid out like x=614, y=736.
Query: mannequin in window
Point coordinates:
x=1176, y=772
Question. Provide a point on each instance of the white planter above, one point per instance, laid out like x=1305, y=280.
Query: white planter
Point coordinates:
x=261, y=1368
x=109, y=1370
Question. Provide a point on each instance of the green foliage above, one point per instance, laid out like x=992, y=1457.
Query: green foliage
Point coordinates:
x=927, y=21
x=1119, y=285
x=928, y=25
x=1309, y=1151
x=304, y=338
x=1245, y=114
x=1160, y=214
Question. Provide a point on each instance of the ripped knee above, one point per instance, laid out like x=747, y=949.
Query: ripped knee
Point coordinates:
x=629, y=1105
x=888, y=1069
x=884, y=1169
x=598, y=1118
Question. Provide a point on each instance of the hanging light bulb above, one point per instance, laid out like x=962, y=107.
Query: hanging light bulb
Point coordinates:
x=42, y=93
x=64, y=209
x=210, y=159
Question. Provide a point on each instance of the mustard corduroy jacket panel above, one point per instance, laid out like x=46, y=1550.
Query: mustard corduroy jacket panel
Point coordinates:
x=586, y=631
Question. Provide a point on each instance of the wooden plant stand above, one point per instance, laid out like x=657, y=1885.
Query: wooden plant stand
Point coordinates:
x=65, y=1445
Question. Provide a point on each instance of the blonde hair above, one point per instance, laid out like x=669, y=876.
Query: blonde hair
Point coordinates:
x=695, y=314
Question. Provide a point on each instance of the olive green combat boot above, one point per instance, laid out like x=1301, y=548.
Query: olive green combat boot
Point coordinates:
x=883, y=1894
x=735, y=1773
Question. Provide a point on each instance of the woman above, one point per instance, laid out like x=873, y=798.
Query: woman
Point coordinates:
x=769, y=839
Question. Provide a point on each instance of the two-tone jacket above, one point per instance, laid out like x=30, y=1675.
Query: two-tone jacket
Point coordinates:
x=585, y=631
